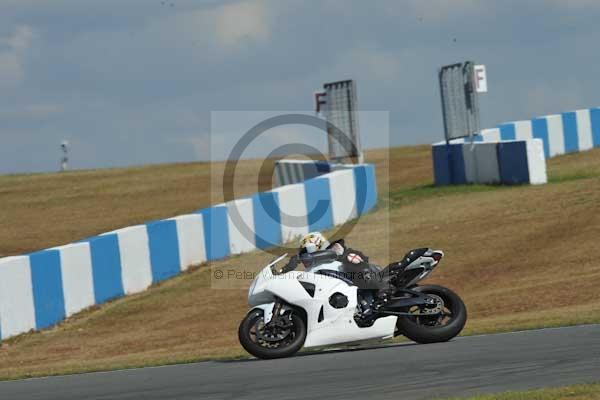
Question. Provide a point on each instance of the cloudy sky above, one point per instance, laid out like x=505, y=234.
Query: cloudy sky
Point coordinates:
x=135, y=81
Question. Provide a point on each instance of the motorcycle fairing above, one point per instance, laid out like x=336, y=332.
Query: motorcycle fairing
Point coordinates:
x=337, y=325
x=267, y=309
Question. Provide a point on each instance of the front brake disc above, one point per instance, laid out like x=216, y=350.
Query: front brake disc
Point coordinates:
x=271, y=333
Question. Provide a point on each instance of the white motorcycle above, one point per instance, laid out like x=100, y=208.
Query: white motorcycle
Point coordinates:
x=329, y=303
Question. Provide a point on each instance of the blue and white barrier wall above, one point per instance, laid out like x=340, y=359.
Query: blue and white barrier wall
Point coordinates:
x=563, y=133
x=40, y=289
x=508, y=162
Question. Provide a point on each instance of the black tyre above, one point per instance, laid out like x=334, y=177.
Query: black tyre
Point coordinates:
x=271, y=341
x=438, y=323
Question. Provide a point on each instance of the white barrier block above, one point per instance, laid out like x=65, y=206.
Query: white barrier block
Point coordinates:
x=556, y=138
x=453, y=141
x=536, y=162
x=523, y=130
x=487, y=163
x=470, y=163
x=481, y=162
x=584, y=130
x=292, y=205
x=17, y=313
x=136, y=269
x=77, y=276
x=343, y=195
x=241, y=241
x=190, y=236
x=491, y=135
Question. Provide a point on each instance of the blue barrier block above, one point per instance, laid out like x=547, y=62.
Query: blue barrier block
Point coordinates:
x=449, y=165
x=441, y=167
x=216, y=232
x=323, y=167
x=569, y=120
x=457, y=165
x=164, y=249
x=595, y=121
x=508, y=131
x=512, y=161
x=365, y=186
x=267, y=220
x=46, y=281
x=314, y=169
x=318, y=204
x=106, y=267
x=539, y=127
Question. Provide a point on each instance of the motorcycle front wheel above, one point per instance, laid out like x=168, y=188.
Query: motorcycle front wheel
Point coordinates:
x=434, y=323
x=267, y=341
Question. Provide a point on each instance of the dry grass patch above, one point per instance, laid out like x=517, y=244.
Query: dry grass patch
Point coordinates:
x=44, y=210
x=574, y=392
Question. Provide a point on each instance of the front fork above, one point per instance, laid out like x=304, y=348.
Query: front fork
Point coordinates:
x=271, y=311
x=267, y=309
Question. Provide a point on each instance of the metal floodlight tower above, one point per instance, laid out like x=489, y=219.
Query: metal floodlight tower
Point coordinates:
x=338, y=103
x=64, y=161
x=459, y=87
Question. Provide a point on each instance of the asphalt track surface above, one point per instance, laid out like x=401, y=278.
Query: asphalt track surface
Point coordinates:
x=464, y=366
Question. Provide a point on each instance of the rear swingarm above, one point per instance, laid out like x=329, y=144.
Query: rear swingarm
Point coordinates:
x=410, y=298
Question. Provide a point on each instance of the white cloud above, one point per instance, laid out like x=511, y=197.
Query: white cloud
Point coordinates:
x=239, y=22
x=376, y=63
x=576, y=4
x=32, y=111
x=188, y=39
x=365, y=63
x=20, y=39
x=12, y=52
x=225, y=26
x=437, y=10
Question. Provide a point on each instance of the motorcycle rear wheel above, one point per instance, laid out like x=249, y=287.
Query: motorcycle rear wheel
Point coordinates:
x=436, y=327
x=252, y=338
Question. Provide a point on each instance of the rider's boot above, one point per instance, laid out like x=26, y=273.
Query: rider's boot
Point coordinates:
x=366, y=301
x=381, y=298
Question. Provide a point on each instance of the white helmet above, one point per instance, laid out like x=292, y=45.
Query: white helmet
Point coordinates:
x=313, y=241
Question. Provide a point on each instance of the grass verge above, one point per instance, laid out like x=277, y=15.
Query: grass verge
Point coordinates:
x=574, y=392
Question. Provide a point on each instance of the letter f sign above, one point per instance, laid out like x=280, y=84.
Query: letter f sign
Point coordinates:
x=480, y=78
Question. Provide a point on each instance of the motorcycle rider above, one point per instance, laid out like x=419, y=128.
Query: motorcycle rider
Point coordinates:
x=355, y=266
x=314, y=242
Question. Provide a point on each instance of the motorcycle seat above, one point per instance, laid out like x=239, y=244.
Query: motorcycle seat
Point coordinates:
x=408, y=259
